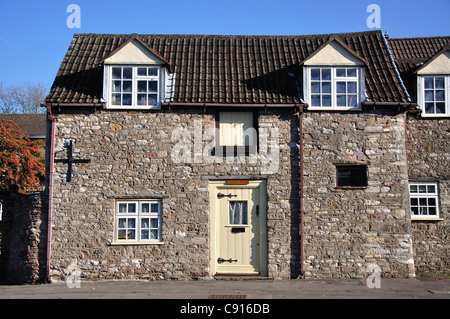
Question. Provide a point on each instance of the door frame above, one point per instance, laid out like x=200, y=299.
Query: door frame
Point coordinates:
x=214, y=188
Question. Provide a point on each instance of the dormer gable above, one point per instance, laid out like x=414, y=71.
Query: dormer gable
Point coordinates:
x=136, y=52
x=438, y=64
x=334, y=53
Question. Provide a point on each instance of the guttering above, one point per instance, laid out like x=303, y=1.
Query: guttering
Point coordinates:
x=242, y=105
x=102, y=105
x=50, y=190
x=401, y=104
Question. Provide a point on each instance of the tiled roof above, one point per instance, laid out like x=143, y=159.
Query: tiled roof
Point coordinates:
x=32, y=124
x=224, y=69
x=410, y=53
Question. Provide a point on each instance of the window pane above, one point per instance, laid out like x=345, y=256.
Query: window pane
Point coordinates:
x=429, y=83
x=429, y=108
x=154, y=234
x=352, y=100
x=142, y=99
x=440, y=95
x=341, y=100
x=326, y=100
x=131, y=223
x=116, y=99
x=131, y=234
x=326, y=87
x=422, y=189
x=116, y=73
x=132, y=208
x=315, y=74
x=152, y=71
x=413, y=188
x=340, y=73
x=315, y=100
x=238, y=213
x=414, y=201
x=351, y=73
x=431, y=189
x=326, y=74
x=315, y=87
x=145, y=222
x=153, y=86
x=351, y=87
x=122, y=208
x=144, y=234
x=116, y=87
x=429, y=95
x=415, y=210
x=127, y=73
x=142, y=86
x=121, y=234
x=432, y=211
x=122, y=222
x=126, y=86
x=142, y=71
x=440, y=108
x=126, y=99
x=439, y=83
x=145, y=208
x=154, y=223
x=431, y=201
x=152, y=99
x=422, y=201
x=341, y=87
x=155, y=208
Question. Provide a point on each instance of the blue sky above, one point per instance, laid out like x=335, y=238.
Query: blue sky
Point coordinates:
x=34, y=35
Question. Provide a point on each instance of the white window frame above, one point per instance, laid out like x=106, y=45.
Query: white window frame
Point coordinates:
x=422, y=197
x=140, y=227
x=421, y=92
x=108, y=86
x=359, y=79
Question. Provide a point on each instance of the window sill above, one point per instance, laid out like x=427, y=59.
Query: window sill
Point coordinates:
x=122, y=243
x=426, y=219
x=350, y=187
x=121, y=107
x=336, y=108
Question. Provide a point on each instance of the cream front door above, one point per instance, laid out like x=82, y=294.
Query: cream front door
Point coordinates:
x=240, y=229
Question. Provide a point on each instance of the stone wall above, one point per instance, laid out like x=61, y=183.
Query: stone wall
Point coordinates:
x=429, y=161
x=131, y=153
x=24, y=238
x=346, y=230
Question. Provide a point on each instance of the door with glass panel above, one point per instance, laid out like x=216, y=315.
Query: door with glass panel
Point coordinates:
x=238, y=230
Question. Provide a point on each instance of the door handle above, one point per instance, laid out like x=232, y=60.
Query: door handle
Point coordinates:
x=221, y=260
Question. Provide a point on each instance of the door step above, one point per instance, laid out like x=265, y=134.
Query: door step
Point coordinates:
x=241, y=277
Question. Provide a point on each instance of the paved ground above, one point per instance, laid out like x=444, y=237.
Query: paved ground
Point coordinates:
x=250, y=290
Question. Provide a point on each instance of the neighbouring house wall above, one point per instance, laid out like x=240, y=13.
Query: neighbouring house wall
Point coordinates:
x=130, y=153
x=428, y=144
x=346, y=230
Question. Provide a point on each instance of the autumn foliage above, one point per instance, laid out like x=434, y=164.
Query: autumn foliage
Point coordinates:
x=21, y=162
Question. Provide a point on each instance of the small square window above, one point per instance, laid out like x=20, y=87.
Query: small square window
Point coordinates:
x=236, y=133
x=351, y=175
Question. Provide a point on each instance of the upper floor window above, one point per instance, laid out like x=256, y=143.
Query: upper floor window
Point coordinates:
x=134, y=86
x=237, y=134
x=334, y=87
x=435, y=92
x=424, y=200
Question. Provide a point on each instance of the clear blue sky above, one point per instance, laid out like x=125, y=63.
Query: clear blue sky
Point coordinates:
x=34, y=35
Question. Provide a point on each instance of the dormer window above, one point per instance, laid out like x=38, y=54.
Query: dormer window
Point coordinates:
x=136, y=77
x=334, y=78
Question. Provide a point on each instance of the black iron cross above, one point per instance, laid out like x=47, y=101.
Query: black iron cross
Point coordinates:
x=70, y=160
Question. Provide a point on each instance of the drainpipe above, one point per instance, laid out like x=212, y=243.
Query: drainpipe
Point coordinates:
x=50, y=189
x=302, y=240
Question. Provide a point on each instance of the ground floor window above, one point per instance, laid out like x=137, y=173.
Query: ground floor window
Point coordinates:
x=424, y=200
x=138, y=221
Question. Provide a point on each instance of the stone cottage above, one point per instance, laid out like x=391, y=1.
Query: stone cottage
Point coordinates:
x=192, y=156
